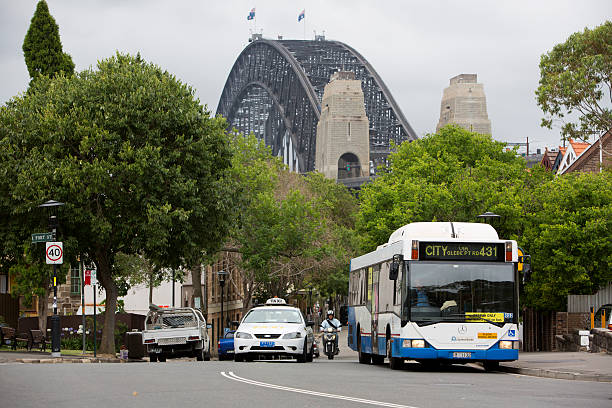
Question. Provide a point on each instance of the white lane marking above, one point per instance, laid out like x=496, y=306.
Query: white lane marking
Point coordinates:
x=234, y=377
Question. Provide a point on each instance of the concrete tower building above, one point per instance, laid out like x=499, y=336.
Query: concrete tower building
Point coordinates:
x=464, y=104
x=343, y=144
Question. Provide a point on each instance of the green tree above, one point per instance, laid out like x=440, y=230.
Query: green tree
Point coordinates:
x=42, y=47
x=453, y=175
x=569, y=237
x=135, y=157
x=289, y=227
x=576, y=83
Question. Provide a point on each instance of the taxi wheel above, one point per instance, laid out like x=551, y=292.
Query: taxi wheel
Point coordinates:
x=302, y=357
x=310, y=356
x=238, y=358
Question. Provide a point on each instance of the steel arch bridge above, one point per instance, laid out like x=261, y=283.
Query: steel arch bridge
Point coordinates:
x=275, y=89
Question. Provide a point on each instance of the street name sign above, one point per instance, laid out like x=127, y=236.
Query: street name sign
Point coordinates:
x=42, y=237
x=54, y=253
x=94, y=278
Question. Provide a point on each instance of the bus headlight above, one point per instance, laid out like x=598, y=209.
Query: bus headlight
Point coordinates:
x=505, y=344
x=414, y=343
x=418, y=343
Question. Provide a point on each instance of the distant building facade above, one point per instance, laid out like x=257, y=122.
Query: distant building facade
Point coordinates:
x=464, y=104
x=343, y=145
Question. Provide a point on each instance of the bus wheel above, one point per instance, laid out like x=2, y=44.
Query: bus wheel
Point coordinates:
x=491, y=365
x=395, y=363
x=364, y=358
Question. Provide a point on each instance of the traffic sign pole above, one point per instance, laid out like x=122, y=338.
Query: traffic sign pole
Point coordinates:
x=55, y=320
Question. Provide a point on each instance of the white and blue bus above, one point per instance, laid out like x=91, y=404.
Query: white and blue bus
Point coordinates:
x=436, y=292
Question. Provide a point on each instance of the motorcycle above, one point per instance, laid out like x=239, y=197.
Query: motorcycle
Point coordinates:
x=329, y=342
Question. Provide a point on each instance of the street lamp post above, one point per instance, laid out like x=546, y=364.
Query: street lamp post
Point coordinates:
x=222, y=274
x=310, y=302
x=489, y=216
x=52, y=206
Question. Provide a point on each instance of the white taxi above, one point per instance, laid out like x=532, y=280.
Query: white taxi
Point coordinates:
x=274, y=329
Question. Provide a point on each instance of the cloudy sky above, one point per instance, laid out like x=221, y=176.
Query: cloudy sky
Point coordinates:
x=415, y=46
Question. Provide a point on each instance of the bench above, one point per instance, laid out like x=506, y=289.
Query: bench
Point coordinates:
x=21, y=337
x=37, y=337
x=7, y=335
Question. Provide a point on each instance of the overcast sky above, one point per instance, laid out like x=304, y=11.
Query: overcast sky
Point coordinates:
x=415, y=46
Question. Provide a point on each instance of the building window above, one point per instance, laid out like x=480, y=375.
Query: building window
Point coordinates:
x=3, y=283
x=75, y=281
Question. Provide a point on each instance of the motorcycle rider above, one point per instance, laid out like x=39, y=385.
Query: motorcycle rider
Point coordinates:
x=332, y=322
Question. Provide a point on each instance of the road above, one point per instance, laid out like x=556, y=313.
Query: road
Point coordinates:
x=339, y=383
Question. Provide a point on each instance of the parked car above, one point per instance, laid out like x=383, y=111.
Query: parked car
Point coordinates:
x=175, y=332
x=274, y=330
x=226, y=346
x=608, y=313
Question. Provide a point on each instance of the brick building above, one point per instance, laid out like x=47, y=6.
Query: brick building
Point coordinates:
x=593, y=158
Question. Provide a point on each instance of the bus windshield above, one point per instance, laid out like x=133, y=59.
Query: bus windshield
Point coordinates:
x=452, y=291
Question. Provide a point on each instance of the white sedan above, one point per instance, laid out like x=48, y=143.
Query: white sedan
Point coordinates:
x=274, y=329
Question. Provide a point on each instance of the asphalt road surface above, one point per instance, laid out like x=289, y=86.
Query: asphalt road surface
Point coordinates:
x=336, y=383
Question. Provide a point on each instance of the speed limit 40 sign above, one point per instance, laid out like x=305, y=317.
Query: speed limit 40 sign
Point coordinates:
x=54, y=253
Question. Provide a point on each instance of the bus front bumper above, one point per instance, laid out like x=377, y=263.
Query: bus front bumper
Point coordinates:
x=459, y=355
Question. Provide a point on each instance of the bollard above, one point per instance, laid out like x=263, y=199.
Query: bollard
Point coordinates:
x=592, y=317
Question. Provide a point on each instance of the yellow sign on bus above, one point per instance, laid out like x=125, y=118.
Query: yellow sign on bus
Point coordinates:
x=483, y=317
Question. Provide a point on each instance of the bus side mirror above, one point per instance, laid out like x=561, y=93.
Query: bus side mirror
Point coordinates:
x=395, y=264
x=525, y=260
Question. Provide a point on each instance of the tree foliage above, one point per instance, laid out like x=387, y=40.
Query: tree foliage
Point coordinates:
x=289, y=227
x=576, y=83
x=135, y=157
x=569, y=235
x=42, y=47
x=453, y=175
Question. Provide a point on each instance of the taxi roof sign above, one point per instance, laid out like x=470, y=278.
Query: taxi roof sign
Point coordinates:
x=276, y=301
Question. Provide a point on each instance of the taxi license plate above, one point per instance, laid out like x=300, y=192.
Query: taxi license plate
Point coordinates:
x=266, y=344
x=462, y=355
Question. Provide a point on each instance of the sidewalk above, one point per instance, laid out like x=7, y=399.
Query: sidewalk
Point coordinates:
x=581, y=366
x=40, y=357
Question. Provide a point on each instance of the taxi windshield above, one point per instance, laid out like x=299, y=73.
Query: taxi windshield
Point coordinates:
x=273, y=316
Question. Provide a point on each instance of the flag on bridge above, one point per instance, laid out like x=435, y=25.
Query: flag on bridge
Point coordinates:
x=302, y=15
x=251, y=15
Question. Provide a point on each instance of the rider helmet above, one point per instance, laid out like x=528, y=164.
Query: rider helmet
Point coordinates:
x=330, y=312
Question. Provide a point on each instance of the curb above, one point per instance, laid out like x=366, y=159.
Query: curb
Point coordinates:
x=62, y=360
x=559, y=375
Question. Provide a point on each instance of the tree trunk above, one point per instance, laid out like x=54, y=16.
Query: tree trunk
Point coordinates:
x=107, y=345
x=247, y=290
x=43, y=310
x=196, y=281
x=151, y=286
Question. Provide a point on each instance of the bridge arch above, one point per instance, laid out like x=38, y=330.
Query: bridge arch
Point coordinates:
x=275, y=87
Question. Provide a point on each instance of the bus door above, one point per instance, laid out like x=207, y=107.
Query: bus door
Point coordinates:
x=375, y=277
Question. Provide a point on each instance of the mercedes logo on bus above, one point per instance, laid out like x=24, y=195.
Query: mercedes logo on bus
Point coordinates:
x=462, y=329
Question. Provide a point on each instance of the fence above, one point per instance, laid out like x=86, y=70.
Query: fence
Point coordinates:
x=539, y=330
x=582, y=303
x=9, y=309
x=131, y=320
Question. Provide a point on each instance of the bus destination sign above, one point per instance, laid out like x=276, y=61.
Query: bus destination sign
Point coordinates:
x=461, y=251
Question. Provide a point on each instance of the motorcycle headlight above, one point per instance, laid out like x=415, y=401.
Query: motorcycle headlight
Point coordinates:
x=330, y=330
x=292, y=335
x=243, y=335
